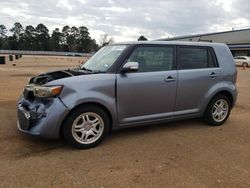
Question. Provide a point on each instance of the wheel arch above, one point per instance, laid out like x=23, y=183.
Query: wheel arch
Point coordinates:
x=246, y=63
x=226, y=93
x=207, y=113
x=99, y=105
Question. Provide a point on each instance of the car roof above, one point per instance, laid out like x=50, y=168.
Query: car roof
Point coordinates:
x=209, y=44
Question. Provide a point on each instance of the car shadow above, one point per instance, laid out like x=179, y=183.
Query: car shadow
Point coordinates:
x=154, y=128
x=36, y=146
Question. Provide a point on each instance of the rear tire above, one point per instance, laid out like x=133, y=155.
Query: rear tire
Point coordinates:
x=86, y=127
x=218, y=110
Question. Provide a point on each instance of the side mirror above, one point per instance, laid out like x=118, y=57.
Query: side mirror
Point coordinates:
x=130, y=67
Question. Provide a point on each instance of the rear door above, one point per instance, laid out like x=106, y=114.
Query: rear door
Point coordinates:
x=198, y=71
x=148, y=94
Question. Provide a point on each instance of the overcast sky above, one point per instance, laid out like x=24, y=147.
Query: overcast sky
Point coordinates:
x=128, y=19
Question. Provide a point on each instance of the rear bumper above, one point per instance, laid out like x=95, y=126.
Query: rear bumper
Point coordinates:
x=234, y=93
x=235, y=96
x=41, y=117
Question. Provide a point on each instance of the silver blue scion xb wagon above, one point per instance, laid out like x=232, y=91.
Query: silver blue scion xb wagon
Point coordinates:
x=130, y=84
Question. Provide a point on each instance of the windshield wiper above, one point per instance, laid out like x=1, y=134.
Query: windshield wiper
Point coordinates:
x=92, y=71
x=83, y=68
x=97, y=71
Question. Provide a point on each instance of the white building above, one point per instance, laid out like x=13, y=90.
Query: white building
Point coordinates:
x=237, y=40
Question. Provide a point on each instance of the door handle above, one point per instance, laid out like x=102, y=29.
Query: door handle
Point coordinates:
x=212, y=75
x=170, y=79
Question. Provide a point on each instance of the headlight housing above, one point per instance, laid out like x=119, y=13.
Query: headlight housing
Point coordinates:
x=47, y=91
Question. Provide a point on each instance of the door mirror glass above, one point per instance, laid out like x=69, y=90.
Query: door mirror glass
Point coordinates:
x=130, y=67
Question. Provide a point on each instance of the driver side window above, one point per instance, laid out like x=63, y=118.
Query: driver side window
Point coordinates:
x=152, y=59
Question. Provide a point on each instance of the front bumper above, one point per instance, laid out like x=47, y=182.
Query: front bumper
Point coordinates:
x=41, y=117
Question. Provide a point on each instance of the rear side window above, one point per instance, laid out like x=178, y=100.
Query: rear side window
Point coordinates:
x=195, y=58
x=240, y=58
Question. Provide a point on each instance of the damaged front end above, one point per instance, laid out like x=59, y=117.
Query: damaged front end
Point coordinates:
x=41, y=117
x=30, y=112
x=40, y=110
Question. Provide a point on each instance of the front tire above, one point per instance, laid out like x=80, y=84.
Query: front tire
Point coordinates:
x=218, y=110
x=86, y=127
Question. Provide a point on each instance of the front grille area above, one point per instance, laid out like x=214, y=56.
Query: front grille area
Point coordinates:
x=27, y=118
x=23, y=117
x=28, y=93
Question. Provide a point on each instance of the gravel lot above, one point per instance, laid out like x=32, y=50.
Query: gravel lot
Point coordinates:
x=179, y=154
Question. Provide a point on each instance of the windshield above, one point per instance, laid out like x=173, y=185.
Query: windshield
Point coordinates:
x=104, y=58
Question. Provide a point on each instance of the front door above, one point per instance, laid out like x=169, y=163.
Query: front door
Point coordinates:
x=150, y=92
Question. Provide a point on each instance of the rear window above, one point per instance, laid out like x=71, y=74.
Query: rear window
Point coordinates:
x=239, y=58
x=195, y=58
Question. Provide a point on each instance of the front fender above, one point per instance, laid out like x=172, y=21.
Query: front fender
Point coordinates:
x=97, y=88
x=107, y=101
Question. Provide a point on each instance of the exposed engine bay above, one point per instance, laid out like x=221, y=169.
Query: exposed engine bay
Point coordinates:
x=37, y=88
x=50, y=76
x=36, y=83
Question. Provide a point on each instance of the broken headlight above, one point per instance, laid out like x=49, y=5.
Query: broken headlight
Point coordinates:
x=47, y=91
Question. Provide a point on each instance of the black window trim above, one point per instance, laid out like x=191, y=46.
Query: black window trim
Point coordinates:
x=150, y=45
x=241, y=58
x=209, y=48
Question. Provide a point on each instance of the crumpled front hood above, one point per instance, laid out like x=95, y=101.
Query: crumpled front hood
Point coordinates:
x=55, y=75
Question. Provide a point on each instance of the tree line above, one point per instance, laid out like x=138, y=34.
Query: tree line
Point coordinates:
x=68, y=39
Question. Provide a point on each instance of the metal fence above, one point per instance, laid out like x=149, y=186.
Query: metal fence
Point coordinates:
x=50, y=53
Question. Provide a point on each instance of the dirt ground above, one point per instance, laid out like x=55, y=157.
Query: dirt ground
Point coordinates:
x=179, y=154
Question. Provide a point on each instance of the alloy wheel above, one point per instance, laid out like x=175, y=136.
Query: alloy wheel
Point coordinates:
x=87, y=128
x=220, y=110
